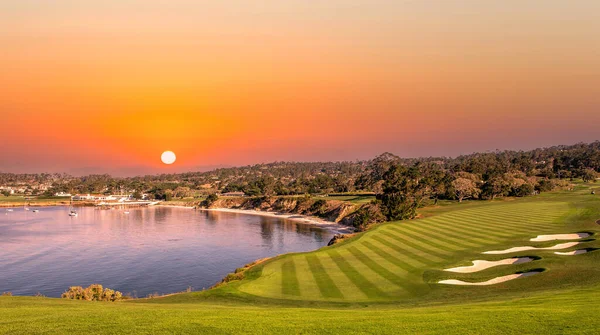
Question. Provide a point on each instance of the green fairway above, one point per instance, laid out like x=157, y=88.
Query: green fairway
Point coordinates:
x=404, y=259
x=556, y=312
x=382, y=281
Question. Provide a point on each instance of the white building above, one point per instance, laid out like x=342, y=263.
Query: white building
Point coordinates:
x=93, y=197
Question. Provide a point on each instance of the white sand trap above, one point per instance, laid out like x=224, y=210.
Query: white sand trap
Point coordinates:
x=517, y=249
x=482, y=265
x=574, y=252
x=543, y=238
x=496, y=280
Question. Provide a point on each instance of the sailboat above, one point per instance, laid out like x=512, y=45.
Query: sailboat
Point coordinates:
x=72, y=211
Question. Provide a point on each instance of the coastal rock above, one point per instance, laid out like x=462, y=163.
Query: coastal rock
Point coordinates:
x=336, y=238
x=358, y=216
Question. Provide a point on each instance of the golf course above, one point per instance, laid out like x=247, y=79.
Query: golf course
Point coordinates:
x=459, y=268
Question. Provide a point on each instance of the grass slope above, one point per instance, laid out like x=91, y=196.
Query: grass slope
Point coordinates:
x=403, y=259
x=382, y=281
x=562, y=312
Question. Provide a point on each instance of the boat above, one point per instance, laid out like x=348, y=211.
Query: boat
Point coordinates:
x=72, y=211
x=126, y=212
x=9, y=210
x=36, y=210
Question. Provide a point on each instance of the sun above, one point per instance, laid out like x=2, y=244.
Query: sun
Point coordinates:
x=168, y=157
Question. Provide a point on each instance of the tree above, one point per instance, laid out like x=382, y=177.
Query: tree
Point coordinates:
x=495, y=186
x=182, y=192
x=402, y=192
x=544, y=185
x=524, y=190
x=210, y=199
x=5, y=193
x=464, y=189
x=589, y=175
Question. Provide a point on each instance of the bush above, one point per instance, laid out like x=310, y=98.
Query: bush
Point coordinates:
x=523, y=190
x=544, y=185
x=209, y=200
x=365, y=216
x=94, y=292
x=319, y=207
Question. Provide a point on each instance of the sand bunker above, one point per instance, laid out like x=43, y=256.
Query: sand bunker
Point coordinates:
x=517, y=249
x=496, y=280
x=482, y=265
x=543, y=238
x=574, y=252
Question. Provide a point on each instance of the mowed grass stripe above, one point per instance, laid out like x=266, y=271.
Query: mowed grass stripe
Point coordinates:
x=499, y=228
x=388, y=288
x=475, y=229
x=533, y=222
x=513, y=215
x=289, y=281
x=462, y=235
x=417, y=250
x=483, y=221
x=308, y=287
x=363, y=284
x=389, y=257
x=380, y=270
x=421, y=229
x=416, y=260
x=490, y=229
x=417, y=244
x=511, y=218
x=536, y=208
x=460, y=227
x=349, y=290
x=326, y=285
x=426, y=239
x=515, y=212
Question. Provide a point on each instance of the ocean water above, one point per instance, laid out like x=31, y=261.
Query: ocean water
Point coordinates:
x=150, y=250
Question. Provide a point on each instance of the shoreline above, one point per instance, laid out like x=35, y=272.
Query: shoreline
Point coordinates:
x=33, y=204
x=333, y=227
x=174, y=206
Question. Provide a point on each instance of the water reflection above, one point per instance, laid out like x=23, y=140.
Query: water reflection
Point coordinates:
x=148, y=250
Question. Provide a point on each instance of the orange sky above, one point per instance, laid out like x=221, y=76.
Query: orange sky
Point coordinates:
x=106, y=86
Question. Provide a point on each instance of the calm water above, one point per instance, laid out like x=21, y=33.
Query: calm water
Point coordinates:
x=150, y=250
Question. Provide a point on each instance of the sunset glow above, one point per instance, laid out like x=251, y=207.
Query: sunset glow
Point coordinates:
x=234, y=82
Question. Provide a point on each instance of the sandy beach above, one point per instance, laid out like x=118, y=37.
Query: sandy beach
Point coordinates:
x=335, y=228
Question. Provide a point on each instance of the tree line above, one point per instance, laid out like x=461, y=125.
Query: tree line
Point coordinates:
x=405, y=182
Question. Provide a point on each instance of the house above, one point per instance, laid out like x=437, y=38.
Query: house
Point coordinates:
x=83, y=197
x=62, y=194
x=100, y=197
